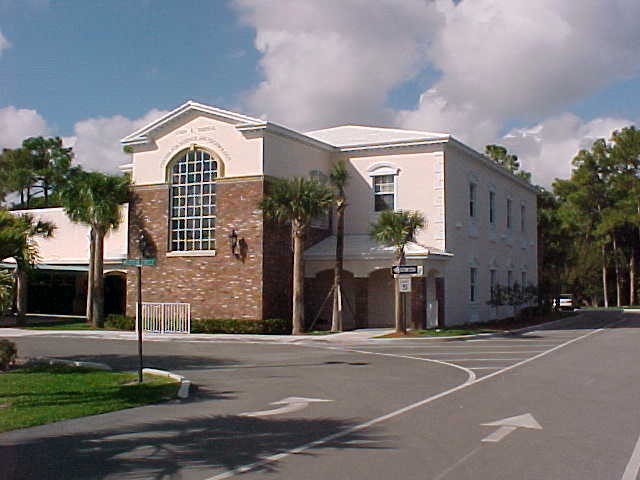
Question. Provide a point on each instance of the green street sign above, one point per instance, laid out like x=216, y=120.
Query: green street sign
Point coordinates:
x=139, y=262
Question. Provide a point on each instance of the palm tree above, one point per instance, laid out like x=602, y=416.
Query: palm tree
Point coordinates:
x=94, y=199
x=297, y=200
x=396, y=229
x=17, y=233
x=338, y=176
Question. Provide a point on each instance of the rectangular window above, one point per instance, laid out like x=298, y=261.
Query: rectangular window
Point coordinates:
x=523, y=216
x=509, y=279
x=384, y=192
x=492, y=208
x=508, y=213
x=492, y=283
x=473, y=287
x=472, y=199
x=524, y=279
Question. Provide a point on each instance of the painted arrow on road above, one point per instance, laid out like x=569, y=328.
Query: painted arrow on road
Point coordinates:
x=290, y=404
x=508, y=425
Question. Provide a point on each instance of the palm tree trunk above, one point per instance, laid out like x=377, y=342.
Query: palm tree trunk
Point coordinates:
x=604, y=276
x=98, y=281
x=401, y=325
x=90, y=275
x=21, y=294
x=632, y=277
x=298, y=279
x=336, y=314
x=616, y=264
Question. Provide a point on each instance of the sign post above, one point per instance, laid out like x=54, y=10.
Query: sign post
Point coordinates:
x=139, y=263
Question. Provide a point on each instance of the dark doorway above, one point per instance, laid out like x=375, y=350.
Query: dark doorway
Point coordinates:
x=115, y=293
x=440, y=299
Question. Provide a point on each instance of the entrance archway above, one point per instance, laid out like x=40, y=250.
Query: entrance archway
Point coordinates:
x=115, y=293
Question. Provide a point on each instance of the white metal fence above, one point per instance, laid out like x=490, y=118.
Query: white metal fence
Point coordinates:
x=165, y=317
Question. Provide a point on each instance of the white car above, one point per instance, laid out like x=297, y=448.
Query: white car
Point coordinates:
x=565, y=302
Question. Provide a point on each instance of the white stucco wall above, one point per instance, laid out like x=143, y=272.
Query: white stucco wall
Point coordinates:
x=70, y=241
x=288, y=157
x=419, y=183
x=241, y=154
x=475, y=242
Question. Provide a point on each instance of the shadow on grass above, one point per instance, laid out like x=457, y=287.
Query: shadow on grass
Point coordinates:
x=128, y=362
x=161, y=449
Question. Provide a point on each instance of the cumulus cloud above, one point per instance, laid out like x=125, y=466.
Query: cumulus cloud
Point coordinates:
x=96, y=141
x=499, y=61
x=16, y=124
x=4, y=43
x=546, y=149
x=335, y=61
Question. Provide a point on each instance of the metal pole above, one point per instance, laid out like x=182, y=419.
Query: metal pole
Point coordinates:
x=139, y=323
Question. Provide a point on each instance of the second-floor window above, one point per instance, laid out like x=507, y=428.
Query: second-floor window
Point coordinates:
x=509, y=280
x=492, y=208
x=384, y=192
x=523, y=217
x=524, y=280
x=508, y=213
x=472, y=199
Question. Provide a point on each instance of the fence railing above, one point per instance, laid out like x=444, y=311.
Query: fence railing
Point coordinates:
x=165, y=317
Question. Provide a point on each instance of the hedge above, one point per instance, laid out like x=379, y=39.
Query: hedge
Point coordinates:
x=120, y=322
x=229, y=325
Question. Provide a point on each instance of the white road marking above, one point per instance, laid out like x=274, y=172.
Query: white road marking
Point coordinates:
x=508, y=425
x=484, y=359
x=471, y=380
x=490, y=352
x=633, y=467
x=486, y=368
x=290, y=404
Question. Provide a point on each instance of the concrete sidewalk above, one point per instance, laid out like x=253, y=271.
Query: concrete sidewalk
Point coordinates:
x=348, y=338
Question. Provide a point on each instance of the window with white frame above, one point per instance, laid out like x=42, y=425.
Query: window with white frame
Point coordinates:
x=492, y=207
x=492, y=283
x=523, y=217
x=192, y=211
x=473, y=284
x=509, y=213
x=473, y=189
x=384, y=191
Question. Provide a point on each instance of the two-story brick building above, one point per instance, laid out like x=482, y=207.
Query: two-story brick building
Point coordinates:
x=199, y=173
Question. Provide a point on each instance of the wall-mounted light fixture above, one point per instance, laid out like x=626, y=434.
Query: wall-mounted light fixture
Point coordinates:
x=233, y=242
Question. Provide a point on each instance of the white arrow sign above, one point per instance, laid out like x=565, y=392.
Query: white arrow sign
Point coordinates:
x=290, y=404
x=508, y=425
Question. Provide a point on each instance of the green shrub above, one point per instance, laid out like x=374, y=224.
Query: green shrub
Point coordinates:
x=8, y=353
x=229, y=325
x=6, y=291
x=120, y=322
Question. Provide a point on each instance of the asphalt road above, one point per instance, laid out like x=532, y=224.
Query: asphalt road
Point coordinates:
x=392, y=409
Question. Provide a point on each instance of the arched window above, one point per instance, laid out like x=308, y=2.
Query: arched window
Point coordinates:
x=193, y=201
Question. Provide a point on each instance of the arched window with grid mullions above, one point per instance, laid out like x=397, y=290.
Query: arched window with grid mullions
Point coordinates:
x=193, y=201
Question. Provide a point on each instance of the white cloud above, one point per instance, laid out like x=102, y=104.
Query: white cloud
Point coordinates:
x=516, y=59
x=546, y=149
x=335, y=61
x=16, y=124
x=499, y=61
x=4, y=43
x=96, y=141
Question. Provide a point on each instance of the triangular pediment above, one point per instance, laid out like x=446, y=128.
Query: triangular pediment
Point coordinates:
x=174, y=117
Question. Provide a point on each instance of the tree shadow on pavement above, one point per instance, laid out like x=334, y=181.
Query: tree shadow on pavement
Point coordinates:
x=163, y=362
x=160, y=450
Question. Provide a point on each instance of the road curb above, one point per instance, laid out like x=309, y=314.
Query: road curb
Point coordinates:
x=185, y=385
x=72, y=363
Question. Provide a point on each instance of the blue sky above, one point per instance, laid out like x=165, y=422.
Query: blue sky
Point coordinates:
x=543, y=80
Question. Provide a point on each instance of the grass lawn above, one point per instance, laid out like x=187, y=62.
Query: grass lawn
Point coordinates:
x=46, y=394
x=495, y=326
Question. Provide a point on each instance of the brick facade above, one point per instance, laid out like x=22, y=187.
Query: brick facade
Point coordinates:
x=253, y=285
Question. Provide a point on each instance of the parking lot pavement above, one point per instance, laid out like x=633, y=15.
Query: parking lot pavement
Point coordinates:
x=303, y=410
